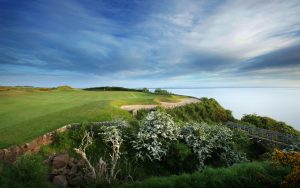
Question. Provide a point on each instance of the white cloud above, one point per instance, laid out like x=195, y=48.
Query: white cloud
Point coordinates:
x=247, y=29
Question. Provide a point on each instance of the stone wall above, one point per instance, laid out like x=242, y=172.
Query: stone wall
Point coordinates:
x=11, y=153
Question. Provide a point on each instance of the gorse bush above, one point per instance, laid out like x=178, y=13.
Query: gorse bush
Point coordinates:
x=289, y=159
x=157, y=132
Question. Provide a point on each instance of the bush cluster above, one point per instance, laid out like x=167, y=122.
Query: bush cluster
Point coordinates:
x=208, y=110
x=161, y=92
x=269, y=123
x=211, y=142
x=159, y=145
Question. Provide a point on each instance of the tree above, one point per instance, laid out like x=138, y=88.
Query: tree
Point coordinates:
x=146, y=90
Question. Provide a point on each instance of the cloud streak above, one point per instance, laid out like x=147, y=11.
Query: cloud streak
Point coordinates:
x=185, y=42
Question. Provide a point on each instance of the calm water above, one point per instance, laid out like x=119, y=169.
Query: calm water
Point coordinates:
x=279, y=103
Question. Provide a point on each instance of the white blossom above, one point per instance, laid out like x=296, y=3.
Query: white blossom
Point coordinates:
x=205, y=139
x=155, y=135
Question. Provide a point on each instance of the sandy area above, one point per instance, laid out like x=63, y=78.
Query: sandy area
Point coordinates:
x=162, y=104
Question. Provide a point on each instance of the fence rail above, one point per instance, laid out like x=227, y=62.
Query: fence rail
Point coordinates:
x=264, y=134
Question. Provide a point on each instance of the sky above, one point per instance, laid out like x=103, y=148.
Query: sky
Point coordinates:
x=150, y=43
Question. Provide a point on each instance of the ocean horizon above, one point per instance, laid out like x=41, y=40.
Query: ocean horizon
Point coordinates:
x=280, y=103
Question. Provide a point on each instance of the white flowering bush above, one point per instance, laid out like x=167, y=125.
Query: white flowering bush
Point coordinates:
x=205, y=139
x=112, y=134
x=112, y=131
x=157, y=132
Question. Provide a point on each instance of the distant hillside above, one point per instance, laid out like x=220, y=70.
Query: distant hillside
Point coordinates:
x=31, y=88
x=64, y=88
x=108, y=88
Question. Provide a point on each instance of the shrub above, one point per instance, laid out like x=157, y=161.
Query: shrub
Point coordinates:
x=161, y=92
x=209, y=141
x=111, y=133
x=27, y=171
x=146, y=90
x=179, y=159
x=290, y=159
x=208, y=110
x=155, y=135
x=269, y=123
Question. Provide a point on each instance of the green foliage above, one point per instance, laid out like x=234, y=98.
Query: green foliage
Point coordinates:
x=248, y=175
x=240, y=140
x=179, y=159
x=27, y=171
x=269, y=123
x=208, y=110
x=111, y=129
x=62, y=140
x=142, y=113
x=159, y=91
x=146, y=90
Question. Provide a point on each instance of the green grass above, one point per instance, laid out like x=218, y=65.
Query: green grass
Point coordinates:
x=28, y=113
x=251, y=175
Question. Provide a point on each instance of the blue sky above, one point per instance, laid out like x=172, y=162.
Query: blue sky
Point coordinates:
x=150, y=43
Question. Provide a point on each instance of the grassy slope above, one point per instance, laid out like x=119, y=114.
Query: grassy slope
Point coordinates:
x=26, y=114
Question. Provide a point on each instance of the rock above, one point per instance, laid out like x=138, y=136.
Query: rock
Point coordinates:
x=58, y=171
x=74, y=169
x=66, y=171
x=60, y=180
x=51, y=176
x=76, y=181
x=81, y=163
x=60, y=161
x=88, y=178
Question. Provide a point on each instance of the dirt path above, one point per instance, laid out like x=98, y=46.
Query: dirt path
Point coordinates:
x=162, y=104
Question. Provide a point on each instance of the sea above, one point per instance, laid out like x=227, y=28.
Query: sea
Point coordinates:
x=282, y=104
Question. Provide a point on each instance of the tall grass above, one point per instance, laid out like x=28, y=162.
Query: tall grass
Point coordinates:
x=248, y=175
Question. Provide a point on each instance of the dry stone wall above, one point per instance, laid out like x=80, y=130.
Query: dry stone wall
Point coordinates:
x=11, y=153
